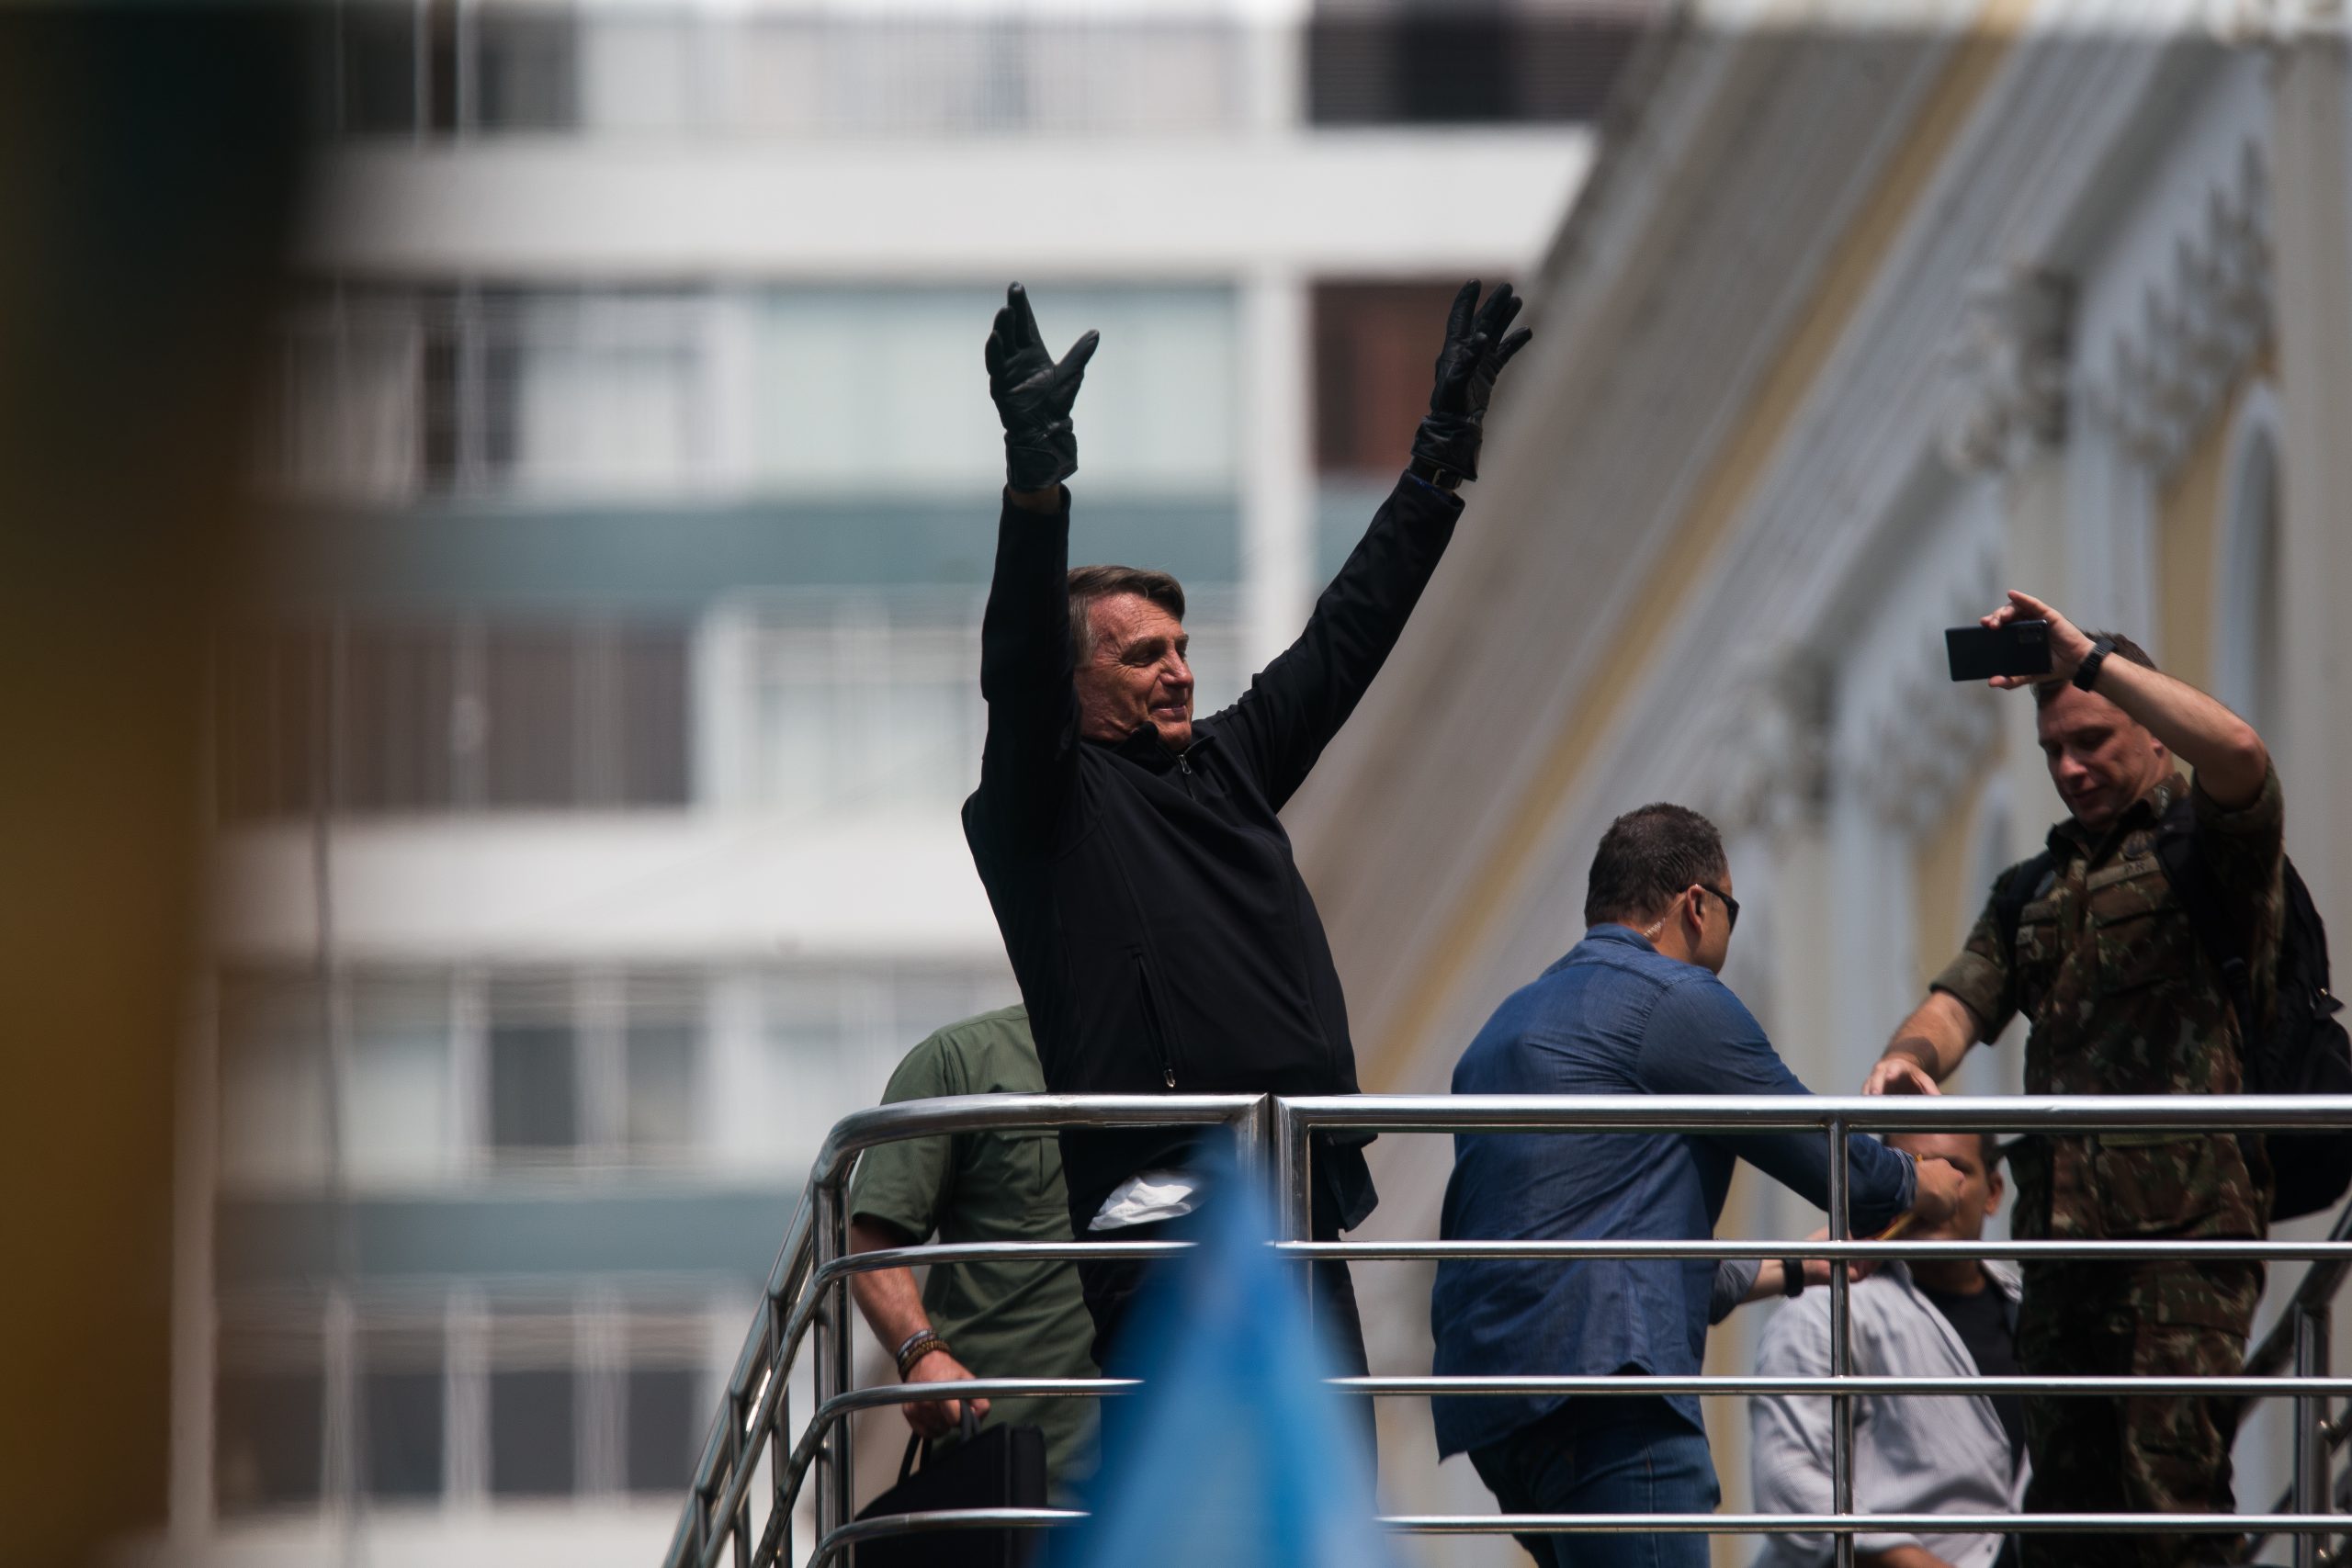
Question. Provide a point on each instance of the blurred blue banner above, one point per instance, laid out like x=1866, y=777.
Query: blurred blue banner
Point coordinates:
x=1236, y=1453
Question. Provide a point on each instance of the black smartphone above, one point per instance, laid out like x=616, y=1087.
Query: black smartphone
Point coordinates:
x=2013, y=647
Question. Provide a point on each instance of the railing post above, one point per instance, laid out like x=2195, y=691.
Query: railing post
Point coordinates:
x=741, y=1447
x=1293, y=1205
x=2311, y=1487
x=1841, y=1353
x=779, y=1448
x=831, y=1334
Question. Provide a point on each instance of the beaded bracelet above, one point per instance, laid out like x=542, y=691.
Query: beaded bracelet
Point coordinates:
x=918, y=1345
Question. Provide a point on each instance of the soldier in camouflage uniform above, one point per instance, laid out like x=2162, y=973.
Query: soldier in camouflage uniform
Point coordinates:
x=2121, y=999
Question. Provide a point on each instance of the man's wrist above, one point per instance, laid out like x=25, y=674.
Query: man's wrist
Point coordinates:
x=922, y=1342
x=2086, y=672
x=1044, y=502
x=1916, y=1049
x=1435, y=475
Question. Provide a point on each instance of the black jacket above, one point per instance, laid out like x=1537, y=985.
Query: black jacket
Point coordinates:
x=1161, y=934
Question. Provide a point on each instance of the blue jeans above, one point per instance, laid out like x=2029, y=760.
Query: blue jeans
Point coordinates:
x=1607, y=1454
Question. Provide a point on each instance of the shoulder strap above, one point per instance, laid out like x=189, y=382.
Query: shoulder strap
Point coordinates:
x=2014, y=892
x=2201, y=899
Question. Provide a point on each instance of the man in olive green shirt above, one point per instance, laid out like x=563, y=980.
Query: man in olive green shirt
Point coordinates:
x=989, y=1320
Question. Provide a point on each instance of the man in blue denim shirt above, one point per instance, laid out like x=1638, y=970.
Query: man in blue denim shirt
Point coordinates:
x=1635, y=1007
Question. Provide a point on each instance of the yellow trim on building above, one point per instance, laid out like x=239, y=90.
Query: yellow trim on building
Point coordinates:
x=1720, y=499
x=2188, y=537
x=1941, y=905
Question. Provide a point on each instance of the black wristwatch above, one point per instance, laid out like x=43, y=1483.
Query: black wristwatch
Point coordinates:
x=2086, y=672
x=1430, y=474
x=1791, y=1276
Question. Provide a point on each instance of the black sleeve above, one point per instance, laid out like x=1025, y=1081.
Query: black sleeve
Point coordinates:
x=1297, y=702
x=1025, y=677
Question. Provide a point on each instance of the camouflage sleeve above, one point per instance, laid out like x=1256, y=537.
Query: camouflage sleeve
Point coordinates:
x=1982, y=977
x=2242, y=847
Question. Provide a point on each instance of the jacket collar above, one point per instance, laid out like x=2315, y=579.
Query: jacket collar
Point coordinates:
x=2070, y=838
x=1609, y=932
x=1144, y=748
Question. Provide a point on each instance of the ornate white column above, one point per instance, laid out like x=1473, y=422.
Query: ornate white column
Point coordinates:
x=2008, y=420
x=1763, y=777
x=2311, y=167
x=1278, y=477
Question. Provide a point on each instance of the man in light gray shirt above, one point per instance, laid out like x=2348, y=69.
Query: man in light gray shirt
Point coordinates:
x=1913, y=1454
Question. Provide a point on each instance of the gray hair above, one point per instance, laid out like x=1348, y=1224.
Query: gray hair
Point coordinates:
x=1089, y=583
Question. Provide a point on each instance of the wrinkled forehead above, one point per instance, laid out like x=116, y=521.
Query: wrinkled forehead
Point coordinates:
x=1121, y=620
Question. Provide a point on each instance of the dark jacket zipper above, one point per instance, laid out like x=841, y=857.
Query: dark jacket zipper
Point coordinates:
x=1184, y=766
x=1152, y=1021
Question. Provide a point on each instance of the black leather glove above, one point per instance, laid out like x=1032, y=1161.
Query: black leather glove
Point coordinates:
x=1477, y=349
x=1033, y=396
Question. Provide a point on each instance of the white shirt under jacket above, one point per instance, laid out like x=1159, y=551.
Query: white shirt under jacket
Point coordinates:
x=1913, y=1454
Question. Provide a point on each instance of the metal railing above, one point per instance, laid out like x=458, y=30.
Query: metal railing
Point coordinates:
x=807, y=1302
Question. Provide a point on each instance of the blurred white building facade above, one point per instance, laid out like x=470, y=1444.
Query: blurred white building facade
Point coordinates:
x=586, y=797
x=1853, y=327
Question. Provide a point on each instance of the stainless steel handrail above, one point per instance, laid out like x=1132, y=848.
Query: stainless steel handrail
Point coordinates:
x=795, y=1306
x=808, y=1298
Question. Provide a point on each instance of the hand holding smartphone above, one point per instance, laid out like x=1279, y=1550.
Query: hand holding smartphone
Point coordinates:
x=2012, y=648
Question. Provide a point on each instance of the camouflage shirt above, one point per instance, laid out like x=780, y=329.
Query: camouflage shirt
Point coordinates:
x=2121, y=999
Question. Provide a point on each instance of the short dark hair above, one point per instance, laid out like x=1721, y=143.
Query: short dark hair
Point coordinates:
x=1988, y=1147
x=2125, y=648
x=1646, y=858
x=1089, y=583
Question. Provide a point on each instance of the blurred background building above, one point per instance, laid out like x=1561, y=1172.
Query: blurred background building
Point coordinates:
x=583, y=807
x=1852, y=328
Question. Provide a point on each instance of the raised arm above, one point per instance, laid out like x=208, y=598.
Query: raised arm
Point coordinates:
x=1299, y=703
x=2230, y=761
x=1024, y=635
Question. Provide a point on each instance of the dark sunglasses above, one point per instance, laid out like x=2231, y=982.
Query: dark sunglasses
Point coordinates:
x=1731, y=906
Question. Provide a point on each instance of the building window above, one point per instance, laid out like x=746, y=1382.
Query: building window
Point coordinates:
x=400, y=1109
x=388, y=394
x=1374, y=345
x=348, y=419
x=525, y=67
x=1161, y=400
x=535, y=1090
x=873, y=704
x=533, y=1406
x=404, y=1398
x=436, y=716
x=272, y=1028
x=451, y=67
x=859, y=711
x=833, y=1036
x=375, y=67
x=398, y=698
x=661, y=1049
x=1445, y=61
x=447, y=67
x=269, y=1409
x=269, y=721
x=664, y=1412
